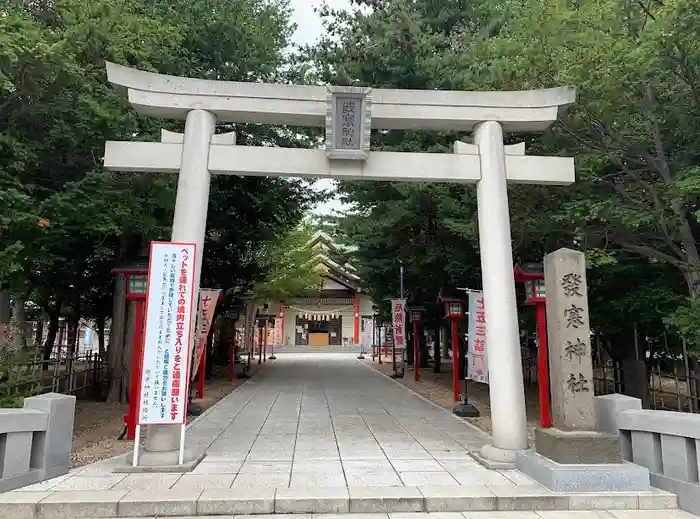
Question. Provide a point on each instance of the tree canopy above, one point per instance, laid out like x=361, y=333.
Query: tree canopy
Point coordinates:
x=633, y=208
x=66, y=223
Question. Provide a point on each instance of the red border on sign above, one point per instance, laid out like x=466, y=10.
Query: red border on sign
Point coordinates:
x=143, y=333
x=193, y=314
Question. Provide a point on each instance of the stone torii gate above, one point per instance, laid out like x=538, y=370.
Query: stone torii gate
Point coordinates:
x=348, y=114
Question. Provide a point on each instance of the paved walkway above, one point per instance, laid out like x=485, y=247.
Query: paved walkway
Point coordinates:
x=324, y=420
x=321, y=433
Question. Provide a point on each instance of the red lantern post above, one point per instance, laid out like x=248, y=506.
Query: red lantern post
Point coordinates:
x=136, y=284
x=454, y=311
x=532, y=276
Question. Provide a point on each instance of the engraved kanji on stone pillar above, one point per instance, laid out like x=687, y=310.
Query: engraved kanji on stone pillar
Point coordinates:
x=568, y=330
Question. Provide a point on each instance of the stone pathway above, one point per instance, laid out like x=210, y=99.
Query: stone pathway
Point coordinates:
x=613, y=514
x=318, y=433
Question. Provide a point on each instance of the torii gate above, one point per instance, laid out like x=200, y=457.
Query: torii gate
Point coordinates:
x=348, y=114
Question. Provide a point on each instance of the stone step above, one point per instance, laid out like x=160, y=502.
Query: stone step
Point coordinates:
x=227, y=502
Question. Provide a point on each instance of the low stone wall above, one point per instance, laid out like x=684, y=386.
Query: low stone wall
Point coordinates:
x=35, y=442
x=665, y=442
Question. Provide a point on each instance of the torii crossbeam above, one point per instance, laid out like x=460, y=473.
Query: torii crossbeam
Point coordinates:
x=348, y=114
x=462, y=167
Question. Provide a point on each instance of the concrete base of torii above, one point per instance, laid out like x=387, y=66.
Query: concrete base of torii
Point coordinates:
x=166, y=461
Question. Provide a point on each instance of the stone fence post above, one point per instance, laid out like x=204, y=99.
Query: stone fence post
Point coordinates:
x=37, y=440
x=51, y=449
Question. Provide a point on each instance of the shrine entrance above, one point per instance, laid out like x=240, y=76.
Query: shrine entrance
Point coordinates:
x=348, y=115
x=323, y=332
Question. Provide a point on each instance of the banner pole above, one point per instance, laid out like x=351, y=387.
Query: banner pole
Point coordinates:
x=137, y=444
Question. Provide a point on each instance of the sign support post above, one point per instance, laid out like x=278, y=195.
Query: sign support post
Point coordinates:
x=137, y=445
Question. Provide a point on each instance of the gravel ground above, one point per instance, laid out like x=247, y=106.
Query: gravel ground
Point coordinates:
x=99, y=424
x=437, y=387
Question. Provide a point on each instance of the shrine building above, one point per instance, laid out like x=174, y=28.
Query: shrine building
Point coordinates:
x=341, y=313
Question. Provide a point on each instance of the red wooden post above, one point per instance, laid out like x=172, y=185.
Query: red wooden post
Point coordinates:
x=543, y=368
x=455, y=361
x=416, y=363
x=136, y=363
x=260, y=339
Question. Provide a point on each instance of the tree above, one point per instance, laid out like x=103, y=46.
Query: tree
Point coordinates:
x=632, y=131
x=634, y=128
x=56, y=111
x=389, y=47
x=628, y=297
x=289, y=263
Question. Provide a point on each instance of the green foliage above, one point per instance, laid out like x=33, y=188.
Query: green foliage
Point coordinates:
x=686, y=322
x=633, y=132
x=18, y=377
x=289, y=263
x=65, y=223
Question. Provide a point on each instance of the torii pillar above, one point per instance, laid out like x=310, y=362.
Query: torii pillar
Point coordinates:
x=488, y=163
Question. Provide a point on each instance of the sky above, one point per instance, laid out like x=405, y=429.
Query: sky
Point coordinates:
x=309, y=30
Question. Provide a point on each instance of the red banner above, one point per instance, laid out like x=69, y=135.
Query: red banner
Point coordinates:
x=205, y=313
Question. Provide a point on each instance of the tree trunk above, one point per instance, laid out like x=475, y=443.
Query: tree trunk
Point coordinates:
x=127, y=352
x=692, y=278
x=437, y=354
x=423, y=352
x=52, y=332
x=5, y=313
x=445, y=341
x=115, y=348
x=73, y=327
x=226, y=330
x=39, y=336
x=249, y=327
x=100, y=324
x=19, y=323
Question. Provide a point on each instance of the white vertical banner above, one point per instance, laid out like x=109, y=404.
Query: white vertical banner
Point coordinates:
x=398, y=320
x=205, y=312
x=168, y=334
x=476, y=352
x=366, y=333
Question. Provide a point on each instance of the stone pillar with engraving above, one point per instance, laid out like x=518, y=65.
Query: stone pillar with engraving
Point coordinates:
x=572, y=439
x=573, y=455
